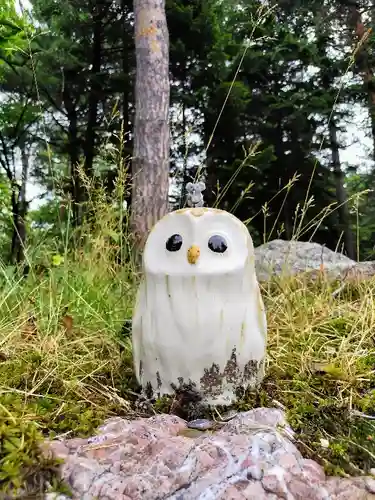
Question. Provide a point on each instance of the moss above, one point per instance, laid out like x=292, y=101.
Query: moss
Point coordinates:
x=24, y=425
x=23, y=467
x=336, y=326
x=163, y=404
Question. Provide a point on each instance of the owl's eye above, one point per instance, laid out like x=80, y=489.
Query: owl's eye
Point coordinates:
x=217, y=244
x=174, y=243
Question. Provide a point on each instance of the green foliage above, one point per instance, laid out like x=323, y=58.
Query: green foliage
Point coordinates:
x=361, y=188
x=254, y=75
x=276, y=107
x=16, y=117
x=14, y=30
x=65, y=366
x=5, y=215
x=23, y=466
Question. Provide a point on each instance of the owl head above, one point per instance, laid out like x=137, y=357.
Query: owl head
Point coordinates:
x=196, y=241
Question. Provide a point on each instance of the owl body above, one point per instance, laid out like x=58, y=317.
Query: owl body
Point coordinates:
x=199, y=318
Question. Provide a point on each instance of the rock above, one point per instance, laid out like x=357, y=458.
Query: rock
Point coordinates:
x=250, y=457
x=283, y=258
x=56, y=496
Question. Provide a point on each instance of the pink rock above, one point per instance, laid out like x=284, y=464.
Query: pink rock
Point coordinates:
x=312, y=470
x=274, y=482
x=255, y=490
x=55, y=448
x=251, y=457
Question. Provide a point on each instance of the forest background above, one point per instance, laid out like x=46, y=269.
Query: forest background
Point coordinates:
x=272, y=103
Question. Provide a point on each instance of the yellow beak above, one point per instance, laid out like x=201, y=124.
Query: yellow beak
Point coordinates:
x=193, y=254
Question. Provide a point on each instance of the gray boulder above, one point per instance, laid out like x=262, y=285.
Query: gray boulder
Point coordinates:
x=284, y=258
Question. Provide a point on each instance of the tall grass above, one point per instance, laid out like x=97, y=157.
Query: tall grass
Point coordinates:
x=65, y=358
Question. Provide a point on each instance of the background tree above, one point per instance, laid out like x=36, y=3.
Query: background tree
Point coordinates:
x=261, y=99
x=150, y=165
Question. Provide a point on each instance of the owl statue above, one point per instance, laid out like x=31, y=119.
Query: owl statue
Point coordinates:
x=199, y=319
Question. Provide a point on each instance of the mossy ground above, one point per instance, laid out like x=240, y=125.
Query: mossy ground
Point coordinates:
x=65, y=367
x=321, y=369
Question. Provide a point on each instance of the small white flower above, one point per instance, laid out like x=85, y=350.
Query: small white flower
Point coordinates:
x=324, y=443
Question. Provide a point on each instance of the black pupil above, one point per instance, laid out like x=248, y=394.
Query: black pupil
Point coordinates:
x=174, y=243
x=217, y=244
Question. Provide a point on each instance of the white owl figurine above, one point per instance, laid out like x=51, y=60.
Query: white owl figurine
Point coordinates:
x=199, y=319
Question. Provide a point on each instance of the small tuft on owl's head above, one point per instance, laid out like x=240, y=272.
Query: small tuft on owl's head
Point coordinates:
x=197, y=241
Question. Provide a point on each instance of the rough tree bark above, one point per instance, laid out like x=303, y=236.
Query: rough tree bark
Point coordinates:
x=324, y=36
x=77, y=189
x=19, y=208
x=126, y=144
x=150, y=165
x=98, y=13
x=362, y=58
x=341, y=195
x=126, y=70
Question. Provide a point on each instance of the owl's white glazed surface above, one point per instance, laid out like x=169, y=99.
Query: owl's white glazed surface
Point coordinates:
x=203, y=322
x=196, y=230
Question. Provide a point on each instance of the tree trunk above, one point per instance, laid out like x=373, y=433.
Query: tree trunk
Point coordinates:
x=363, y=60
x=184, y=176
x=288, y=224
x=77, y=188
x=209, y=171
x=150, y=166
x=15, y=216
x=126, y=75
x=93, y=100
x=126, y=147
x=19, y=207
x=341, y=195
